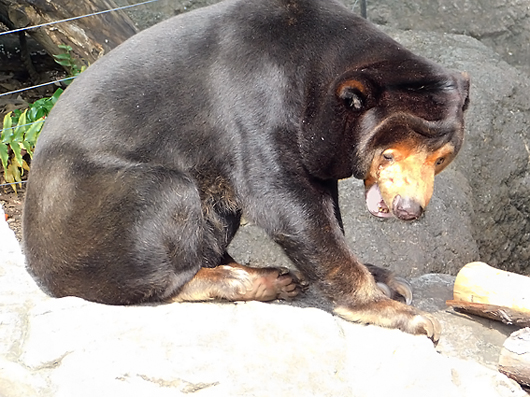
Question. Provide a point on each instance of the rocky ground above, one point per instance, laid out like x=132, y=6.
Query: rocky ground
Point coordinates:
x=70, y=347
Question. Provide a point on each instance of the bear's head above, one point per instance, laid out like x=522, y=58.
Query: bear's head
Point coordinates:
x=394, y=120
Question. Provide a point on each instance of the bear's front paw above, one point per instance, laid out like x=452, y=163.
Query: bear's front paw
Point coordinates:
x=391, y=314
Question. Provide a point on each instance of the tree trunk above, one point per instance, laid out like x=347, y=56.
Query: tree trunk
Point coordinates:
x=89, y=37
x=504, y=314
x=514, y=360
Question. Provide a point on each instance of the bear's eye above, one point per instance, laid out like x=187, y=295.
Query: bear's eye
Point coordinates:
x=353, y=99
x=388, y=156
x=440, y=161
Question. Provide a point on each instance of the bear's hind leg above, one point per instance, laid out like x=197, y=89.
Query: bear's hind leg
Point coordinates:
x=234, y=282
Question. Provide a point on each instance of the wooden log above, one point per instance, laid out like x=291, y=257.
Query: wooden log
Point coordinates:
x=500, y=313
x=478, y=282
x=514, y=360
x=90, y=37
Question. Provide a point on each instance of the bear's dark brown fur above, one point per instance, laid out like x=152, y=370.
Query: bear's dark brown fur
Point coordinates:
x=249, y=107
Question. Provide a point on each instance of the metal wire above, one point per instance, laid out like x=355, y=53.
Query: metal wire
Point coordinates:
x=67, y=78
x=37, y=86
x=13, y=183
x=21, y=125
x=74, y=18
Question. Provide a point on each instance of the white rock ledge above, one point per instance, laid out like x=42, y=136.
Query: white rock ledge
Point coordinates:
x=71, y=347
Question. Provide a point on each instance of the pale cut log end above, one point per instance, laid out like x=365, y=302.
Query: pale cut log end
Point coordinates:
x=478, y=282
x=514, y=359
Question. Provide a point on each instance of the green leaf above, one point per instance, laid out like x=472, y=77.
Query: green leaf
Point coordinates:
x=29, y=147
x=63, y=63
x=18, y=133
x=56, y=95
x=48, y=106
x=41, y=112
x=33, y=133
x=38, y=109
x=32, y=114
x=7, y=131
x=63, y=56
x=39, y=102
x=18, y=155
x=4, y=156
x=8, y=122
x=65, y=47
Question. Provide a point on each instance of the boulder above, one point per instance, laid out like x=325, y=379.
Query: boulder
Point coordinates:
x=501, y=25
x=481, y=203
x=480, y=209
x=148, y=14
x=71, y=347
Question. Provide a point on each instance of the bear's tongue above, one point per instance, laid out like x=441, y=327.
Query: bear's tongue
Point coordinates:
x=375, y=203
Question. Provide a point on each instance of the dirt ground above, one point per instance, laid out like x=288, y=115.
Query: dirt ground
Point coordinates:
x=13, y=204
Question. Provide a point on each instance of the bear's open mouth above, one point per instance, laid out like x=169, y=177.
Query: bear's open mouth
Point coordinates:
x=375, y=203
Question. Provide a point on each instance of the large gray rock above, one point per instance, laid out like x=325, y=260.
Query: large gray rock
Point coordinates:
x=70, y=347
x=494, y=160
x=502, y=25
x=481, y=204
x=465, y=337
x=442, y=241
x=147, y=15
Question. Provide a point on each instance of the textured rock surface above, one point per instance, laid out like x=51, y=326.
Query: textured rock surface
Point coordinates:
x=70, y=347
x=149, y=14
x=502, y=25
x=481, y=206
x=481, y=203
x=442, y=241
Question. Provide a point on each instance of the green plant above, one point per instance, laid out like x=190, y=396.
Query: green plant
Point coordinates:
x=67, y=61
x=21, y=128
x=19, y=135
x=15, y=141
x=38, y=109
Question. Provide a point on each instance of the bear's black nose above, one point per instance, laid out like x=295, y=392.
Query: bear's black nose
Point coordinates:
x=406, y=208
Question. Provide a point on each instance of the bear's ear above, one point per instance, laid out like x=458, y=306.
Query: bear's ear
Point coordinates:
x=353, y=94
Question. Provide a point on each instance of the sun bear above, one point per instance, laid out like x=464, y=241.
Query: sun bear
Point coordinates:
x=250, y=108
